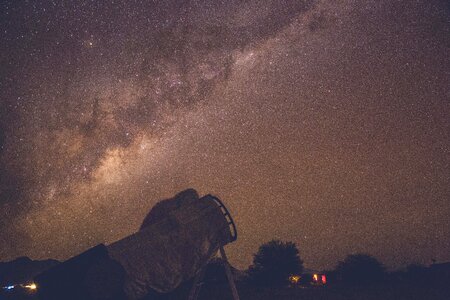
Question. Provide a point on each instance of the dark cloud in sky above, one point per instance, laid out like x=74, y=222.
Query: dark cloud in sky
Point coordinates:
x=321, y=122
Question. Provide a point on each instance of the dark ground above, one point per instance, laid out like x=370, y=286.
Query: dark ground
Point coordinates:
x=419, y=283
x=385, y=292
x=391, y=292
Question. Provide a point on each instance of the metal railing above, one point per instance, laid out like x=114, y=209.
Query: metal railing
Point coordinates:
x=227, y=216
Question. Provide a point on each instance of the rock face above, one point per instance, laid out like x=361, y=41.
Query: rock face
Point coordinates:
x=176, y=239
x=23, y=269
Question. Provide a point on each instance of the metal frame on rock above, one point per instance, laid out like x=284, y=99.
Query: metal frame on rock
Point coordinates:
x=227, y=216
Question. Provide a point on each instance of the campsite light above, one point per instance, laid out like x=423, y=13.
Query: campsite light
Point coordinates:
x=324, y=279
x=294, y=279
x=9, y=287
x=31, y=286
x=315, y=277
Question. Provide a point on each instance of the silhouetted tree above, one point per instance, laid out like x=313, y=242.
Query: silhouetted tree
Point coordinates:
x=358, y=269
x=274, y=262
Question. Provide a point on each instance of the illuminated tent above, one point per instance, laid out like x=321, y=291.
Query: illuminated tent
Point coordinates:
x=177, y=238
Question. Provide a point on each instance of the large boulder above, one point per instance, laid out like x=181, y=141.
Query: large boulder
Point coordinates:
x=176, y=239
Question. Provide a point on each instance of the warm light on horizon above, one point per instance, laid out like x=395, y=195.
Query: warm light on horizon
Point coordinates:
x=31, y=286
x=294, y=279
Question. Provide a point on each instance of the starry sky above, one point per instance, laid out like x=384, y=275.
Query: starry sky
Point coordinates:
x=322, y=122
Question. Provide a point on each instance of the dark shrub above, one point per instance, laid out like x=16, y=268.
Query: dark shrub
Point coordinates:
x=359, y=269
x=274, y=262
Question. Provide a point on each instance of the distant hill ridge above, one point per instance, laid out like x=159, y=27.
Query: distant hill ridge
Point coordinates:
x=23, y=269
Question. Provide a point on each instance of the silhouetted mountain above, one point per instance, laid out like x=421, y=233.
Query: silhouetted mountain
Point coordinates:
x=23, y=269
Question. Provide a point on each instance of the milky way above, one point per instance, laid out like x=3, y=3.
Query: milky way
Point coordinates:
x=325, y=123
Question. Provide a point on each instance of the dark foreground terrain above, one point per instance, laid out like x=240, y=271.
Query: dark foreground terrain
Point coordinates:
x=417, y=283
x=221, y=292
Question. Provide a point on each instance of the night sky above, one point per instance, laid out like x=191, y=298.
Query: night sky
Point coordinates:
x=325, y=123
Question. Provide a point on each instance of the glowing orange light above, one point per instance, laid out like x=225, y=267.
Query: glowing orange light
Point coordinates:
x=31, y=286
x=294, y=279
x=315, y=277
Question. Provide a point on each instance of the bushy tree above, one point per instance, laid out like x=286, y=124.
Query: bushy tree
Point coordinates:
x=274, y=262
x=359, y=269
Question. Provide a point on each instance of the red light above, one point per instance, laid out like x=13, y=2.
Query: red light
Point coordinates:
x=324, y=279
